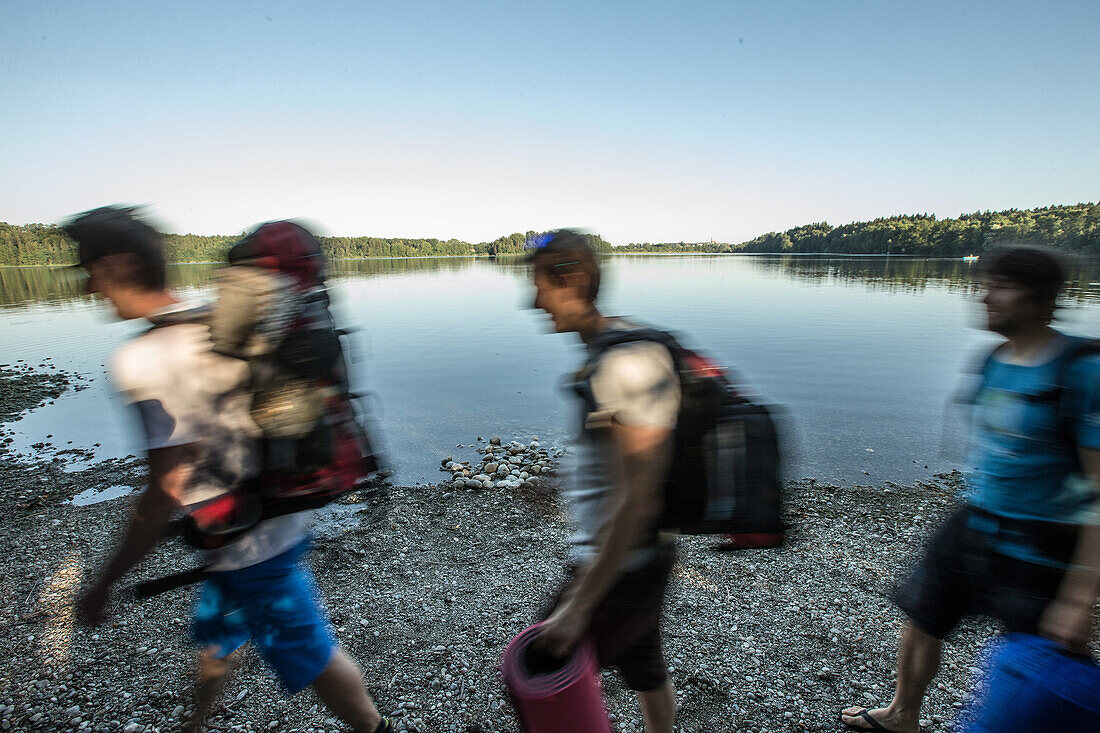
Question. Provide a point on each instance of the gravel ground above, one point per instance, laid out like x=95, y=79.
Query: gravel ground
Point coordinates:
x=427, y=584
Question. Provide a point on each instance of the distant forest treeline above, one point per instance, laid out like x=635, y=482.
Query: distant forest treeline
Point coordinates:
x=39, y=244
x=1073, y=228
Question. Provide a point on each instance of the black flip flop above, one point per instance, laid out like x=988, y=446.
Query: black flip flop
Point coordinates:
x=865, y=713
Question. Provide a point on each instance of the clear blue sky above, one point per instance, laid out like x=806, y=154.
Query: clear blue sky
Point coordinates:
x=644, y=121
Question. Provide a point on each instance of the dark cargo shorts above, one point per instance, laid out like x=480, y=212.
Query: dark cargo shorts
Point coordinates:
x=965, y=572
x=626, y=623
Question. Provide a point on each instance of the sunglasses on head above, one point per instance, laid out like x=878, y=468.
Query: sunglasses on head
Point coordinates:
x=539, y=241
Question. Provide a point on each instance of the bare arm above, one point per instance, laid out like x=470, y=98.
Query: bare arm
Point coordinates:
x=1068, y=620
x=644, y=455
x=169, y=469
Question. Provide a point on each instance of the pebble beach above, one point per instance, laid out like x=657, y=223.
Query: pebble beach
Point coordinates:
x=426, y=585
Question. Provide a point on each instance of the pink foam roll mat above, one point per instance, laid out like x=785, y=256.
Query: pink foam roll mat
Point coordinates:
x=554, y=695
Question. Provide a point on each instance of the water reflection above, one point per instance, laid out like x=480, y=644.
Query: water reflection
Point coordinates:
x=24, y=286
x=912, y=275
x=21, y=286
x=888, y=273
x=340, y=269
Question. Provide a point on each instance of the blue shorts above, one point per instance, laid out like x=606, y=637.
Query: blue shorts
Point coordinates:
x=275, y=604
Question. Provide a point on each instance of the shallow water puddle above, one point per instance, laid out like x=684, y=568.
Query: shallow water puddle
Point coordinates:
x=96, y=495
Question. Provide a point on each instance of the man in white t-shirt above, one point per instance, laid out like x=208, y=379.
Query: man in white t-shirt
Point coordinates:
x=620, y=567
x=201, y=443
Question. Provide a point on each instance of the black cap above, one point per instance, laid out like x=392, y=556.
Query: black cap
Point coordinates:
x=112, y=230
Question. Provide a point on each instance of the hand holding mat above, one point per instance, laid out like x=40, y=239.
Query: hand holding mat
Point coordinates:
x=554, y=695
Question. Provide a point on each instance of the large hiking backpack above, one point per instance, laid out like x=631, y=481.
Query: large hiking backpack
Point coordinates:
x=273, y=312
x=725, y=476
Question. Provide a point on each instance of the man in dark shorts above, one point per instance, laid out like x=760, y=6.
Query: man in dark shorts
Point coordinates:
x=620, y=566
x=1025, y=546
x=201, y=442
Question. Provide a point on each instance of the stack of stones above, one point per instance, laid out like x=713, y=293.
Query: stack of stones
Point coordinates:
x=511, y=466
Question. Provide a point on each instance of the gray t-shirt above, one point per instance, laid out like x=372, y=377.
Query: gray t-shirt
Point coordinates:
x=185, y=394
x=633, y=384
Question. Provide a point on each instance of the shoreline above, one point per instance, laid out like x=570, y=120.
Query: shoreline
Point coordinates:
x=519, y=255
x=427, y=584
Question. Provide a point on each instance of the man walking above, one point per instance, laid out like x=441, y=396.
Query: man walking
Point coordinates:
x=621, y=568
x=201, y=443
x=1025, y=545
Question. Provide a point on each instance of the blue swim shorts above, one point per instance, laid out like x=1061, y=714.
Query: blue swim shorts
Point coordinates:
x=275, y=604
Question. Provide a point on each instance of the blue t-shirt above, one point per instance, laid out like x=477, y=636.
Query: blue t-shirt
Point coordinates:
x=1024, y=466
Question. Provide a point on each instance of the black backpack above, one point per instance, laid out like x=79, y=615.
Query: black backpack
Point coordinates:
x=725, y=476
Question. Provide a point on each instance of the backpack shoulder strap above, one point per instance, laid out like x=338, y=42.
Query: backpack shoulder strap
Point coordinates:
x=199, y=314
x=980, y=367
x=1079, y=349
x=1060, y=395
x=610, y=338
x=619, y=336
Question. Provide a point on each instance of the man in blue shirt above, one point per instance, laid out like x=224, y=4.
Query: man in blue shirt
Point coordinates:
x=1025, y=546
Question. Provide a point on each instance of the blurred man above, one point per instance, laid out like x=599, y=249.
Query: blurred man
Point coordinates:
x=201, y=442
x=1025, y=545
x=621, y=568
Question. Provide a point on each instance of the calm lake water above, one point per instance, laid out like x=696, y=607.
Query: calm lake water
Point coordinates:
x=863, y=353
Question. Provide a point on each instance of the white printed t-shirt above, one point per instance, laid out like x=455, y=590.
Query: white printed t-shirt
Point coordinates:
x=185, y=394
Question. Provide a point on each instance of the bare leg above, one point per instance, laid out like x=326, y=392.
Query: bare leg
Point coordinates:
x=212, y=674
x=659, y=708
x=918, y=663
x=340, y=687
